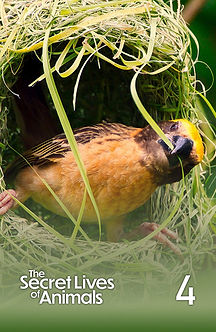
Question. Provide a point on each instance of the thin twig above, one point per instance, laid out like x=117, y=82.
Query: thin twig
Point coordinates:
x=192, y=8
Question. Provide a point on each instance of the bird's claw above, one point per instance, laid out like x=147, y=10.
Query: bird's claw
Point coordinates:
x=147, y=228
x=6, y=200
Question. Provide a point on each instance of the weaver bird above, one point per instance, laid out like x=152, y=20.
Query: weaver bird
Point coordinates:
x=124, y=166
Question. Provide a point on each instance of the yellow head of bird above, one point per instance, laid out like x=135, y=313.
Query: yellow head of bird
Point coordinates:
x=188, y=147
x=189, y=130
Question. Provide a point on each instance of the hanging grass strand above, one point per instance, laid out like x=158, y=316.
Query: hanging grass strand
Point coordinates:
x=65, y=123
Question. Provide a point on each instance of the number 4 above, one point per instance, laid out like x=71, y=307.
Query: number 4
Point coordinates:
x=190, y=297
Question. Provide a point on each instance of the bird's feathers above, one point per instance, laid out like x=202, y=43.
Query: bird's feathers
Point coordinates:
x=86, y=134
x=124, y=166
x=57, y=147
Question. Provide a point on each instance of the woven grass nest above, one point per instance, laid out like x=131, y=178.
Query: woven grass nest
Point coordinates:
x=146, y=46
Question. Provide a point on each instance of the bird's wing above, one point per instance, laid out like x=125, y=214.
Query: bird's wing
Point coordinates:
x=57, y=147
x=86, y=134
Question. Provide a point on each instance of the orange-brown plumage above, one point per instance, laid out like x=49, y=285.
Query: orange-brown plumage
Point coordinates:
x=124, y=166
x=115, y=175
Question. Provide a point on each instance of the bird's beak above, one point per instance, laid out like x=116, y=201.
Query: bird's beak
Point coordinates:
x=182, y=146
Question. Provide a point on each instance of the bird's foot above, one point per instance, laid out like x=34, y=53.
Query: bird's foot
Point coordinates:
x=6, y=200
x=147, y=228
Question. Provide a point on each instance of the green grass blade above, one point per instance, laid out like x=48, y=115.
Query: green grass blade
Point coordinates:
x=65, y=123
x=134, y=93
x=12, y=34
x=39, y=220
x=79, y=219
x=58, y=200
x=207, y=103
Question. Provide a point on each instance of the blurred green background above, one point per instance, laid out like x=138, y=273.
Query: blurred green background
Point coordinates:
x=204, y=28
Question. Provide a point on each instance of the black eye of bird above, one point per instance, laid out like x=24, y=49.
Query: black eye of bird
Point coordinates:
x=174, y=126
